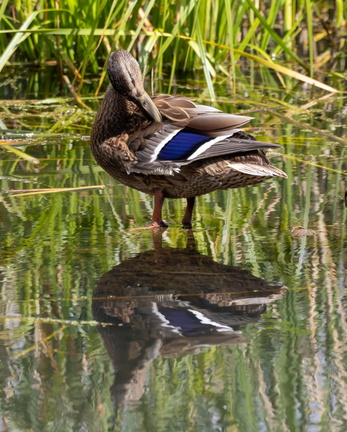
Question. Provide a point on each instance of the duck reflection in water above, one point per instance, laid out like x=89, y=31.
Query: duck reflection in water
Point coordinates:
x=170, y=302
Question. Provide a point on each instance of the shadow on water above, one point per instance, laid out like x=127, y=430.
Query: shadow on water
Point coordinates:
x=169, y=302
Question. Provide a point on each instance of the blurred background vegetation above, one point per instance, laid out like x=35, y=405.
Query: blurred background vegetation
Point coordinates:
x=304, y=36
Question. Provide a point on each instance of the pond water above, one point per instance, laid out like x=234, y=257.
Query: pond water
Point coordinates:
x=237, y=325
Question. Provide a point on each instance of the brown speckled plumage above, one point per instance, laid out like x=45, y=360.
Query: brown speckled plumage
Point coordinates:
x=131, y=130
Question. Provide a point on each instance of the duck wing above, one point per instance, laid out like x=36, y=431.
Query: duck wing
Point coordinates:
x=191, y=132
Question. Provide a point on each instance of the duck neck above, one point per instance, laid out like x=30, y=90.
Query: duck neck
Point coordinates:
x=113, y=117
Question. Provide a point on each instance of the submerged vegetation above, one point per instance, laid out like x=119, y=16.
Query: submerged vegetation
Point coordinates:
x=77, y=35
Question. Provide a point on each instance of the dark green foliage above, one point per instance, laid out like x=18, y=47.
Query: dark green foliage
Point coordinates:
x=80, y=34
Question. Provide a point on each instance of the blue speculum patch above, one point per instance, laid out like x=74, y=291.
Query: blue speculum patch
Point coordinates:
x=182, y=146
x=186, y=321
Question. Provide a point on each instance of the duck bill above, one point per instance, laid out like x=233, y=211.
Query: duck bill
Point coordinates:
x=149, y=107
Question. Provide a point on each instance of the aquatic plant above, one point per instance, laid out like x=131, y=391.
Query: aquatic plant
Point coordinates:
x=78, y=35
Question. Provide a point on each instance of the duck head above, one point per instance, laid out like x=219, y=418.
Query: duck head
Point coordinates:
x=125, y=76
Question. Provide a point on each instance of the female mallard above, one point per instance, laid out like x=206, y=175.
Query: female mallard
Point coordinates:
x=170, y=147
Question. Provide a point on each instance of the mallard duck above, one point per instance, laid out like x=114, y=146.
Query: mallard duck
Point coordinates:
x=169, y=146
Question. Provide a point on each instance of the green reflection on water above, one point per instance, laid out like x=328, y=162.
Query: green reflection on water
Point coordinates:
x=287, y=373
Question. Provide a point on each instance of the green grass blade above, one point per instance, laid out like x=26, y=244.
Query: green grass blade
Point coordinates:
x=228, y=12
x=139, y=27
x=287, y=71
x=309, y=13
x=3, y=8
x=207, y=67
x=275, y=36
x=16, y=40
x=20, y=35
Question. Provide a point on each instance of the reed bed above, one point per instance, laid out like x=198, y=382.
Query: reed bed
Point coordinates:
x=310, y=37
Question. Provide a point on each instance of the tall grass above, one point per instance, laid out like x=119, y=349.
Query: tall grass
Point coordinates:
x=55, y=247
x=79, y=35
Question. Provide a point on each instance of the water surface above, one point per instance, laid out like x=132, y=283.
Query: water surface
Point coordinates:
x=88, y=298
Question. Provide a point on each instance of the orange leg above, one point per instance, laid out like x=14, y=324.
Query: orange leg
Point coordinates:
x=157, y=220
x=187, y=218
